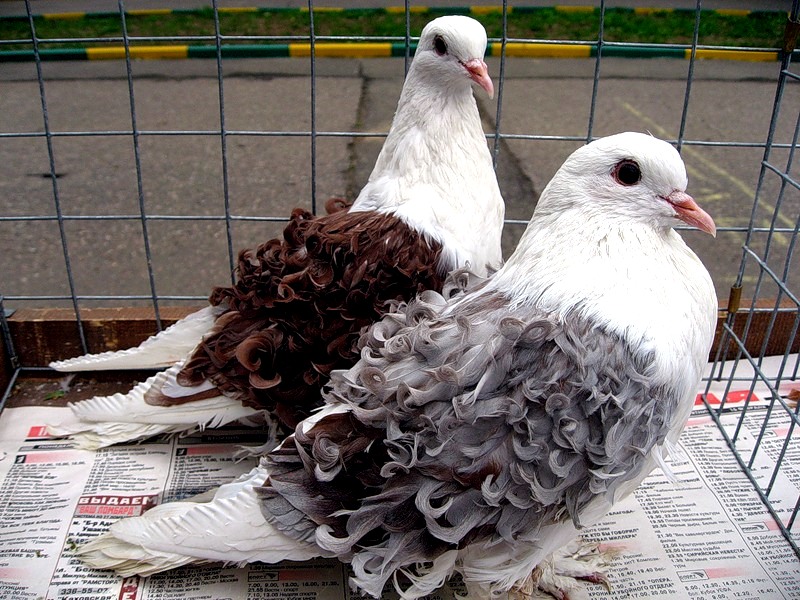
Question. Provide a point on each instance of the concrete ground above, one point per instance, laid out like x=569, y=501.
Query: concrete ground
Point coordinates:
x=177, y=108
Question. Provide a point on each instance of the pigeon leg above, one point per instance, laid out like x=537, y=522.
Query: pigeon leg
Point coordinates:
x=559, y=576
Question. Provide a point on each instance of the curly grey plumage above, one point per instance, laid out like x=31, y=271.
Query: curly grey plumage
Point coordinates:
x=478, y=433
x=476, y=422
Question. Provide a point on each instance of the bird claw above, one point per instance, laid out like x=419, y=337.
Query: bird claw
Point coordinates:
x=65, y=383
x=597, y=577
x=558, y=576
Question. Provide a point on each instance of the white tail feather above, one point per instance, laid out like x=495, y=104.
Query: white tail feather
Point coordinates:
x=228, y=528
x=102, y=435
x=156, y=352
x=106, y=420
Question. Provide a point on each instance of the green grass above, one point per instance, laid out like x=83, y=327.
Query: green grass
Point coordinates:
x=760, y=29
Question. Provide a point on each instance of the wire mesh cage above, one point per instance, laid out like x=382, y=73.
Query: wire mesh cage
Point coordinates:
x=769, y=262
x=134, y=183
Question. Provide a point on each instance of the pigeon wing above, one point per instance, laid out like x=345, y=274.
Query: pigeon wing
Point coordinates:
x=484, y=425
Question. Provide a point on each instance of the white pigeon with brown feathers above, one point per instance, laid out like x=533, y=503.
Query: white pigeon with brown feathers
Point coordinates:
x=432, y=204
x=479, y=433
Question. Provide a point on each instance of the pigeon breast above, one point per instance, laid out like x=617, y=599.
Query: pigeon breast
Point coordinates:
x=482, y=424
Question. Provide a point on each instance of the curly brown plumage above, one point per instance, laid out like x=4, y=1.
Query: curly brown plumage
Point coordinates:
x=434, y=174
x=299, y=305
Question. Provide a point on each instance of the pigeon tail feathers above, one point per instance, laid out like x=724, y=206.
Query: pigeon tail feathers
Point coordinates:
x=106, y=420
x=189, y=532
x=156, y=352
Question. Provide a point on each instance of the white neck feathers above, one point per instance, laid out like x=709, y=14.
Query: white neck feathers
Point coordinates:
x=666, y=303
x=435, y=173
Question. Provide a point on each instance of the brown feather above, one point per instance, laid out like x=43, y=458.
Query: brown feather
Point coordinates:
x=300, y=303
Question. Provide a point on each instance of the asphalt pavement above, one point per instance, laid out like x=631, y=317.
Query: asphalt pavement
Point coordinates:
x=177, y=106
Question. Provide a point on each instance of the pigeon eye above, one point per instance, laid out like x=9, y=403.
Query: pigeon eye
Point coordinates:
x=627, y=172
x=439, y=45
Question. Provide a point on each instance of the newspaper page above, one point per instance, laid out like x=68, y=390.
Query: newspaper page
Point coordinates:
x=708, y=536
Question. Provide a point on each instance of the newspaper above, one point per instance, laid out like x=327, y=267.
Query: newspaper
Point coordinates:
x=708, y=536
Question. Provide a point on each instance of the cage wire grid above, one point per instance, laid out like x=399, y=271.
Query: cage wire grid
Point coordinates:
x=758, y=261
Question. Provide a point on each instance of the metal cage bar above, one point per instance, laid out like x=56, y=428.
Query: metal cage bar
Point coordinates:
x=138, y=163
x=54, y=180
x=758, y=250
x=747, y=439
x=223, y=140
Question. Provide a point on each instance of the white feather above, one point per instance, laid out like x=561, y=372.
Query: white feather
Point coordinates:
x=435, y=170
x=156, y=352
x=106, y=420
x=227, y=528
x=611, y=240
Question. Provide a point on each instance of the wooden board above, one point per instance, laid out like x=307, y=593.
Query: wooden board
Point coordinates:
x=43, y=335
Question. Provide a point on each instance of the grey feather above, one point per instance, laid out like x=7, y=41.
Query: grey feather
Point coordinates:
x=483, y=428
x=548, y=415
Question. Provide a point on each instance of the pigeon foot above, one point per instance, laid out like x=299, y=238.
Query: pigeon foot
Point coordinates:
x=560, y=576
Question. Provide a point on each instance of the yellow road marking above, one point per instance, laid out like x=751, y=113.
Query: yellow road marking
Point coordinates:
x=342, y=49
x=117, y=52
x=741, y=55
x=544, y=50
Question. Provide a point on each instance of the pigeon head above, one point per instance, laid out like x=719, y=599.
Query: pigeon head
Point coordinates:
x=435, y=171
x=629, y=176
x=451, y=50
x=602, y=241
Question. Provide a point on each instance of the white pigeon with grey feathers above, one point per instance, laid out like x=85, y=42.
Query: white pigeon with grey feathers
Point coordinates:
x=433, y=179
x=482, y=430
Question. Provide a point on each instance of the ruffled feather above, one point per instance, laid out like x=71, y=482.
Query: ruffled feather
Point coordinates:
x=474, y=423
x=298, y=307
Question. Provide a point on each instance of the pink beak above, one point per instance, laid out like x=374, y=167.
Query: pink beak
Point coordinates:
x=477, y=71
x=689, y=212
